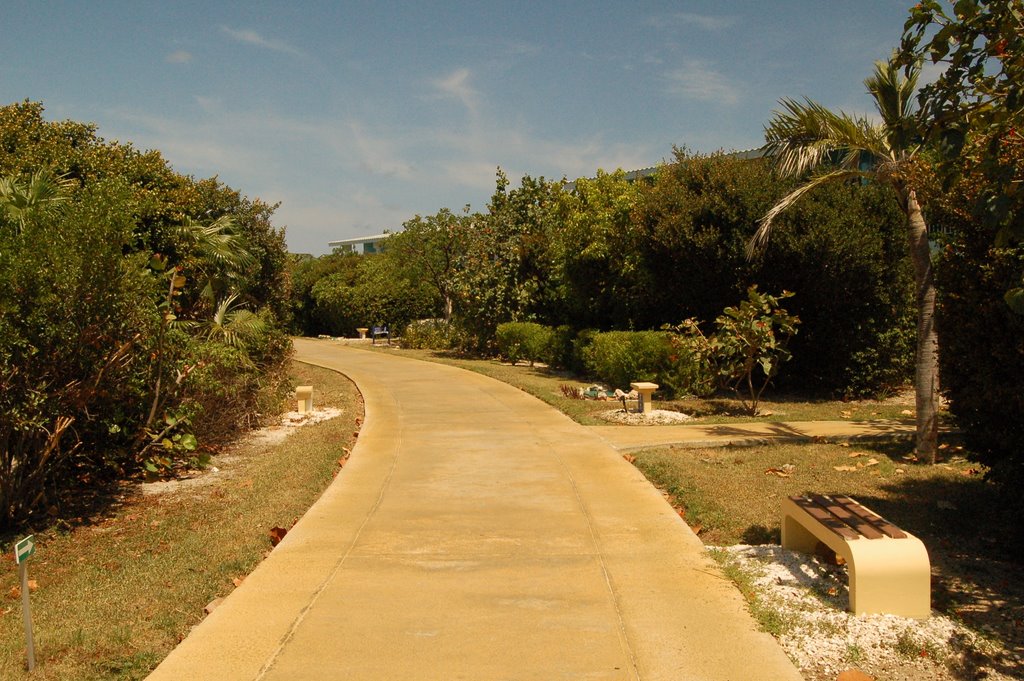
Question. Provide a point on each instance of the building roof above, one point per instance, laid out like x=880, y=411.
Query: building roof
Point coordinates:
x=359, y=240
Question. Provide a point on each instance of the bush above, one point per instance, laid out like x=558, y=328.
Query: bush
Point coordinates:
x=578, y=353
x=524, y=340
x=429, y=334
x=74, y=319
x=619, y=358
x=560, y=353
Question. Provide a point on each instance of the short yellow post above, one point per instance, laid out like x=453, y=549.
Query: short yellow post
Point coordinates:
x=304, y=395
x=646, y=405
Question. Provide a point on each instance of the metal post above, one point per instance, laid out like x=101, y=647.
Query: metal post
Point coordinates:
x=27, y=615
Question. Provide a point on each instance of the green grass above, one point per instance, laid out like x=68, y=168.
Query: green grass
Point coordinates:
x=768, y=617
x=118, y=591
x=546, y=384
x=730, y=495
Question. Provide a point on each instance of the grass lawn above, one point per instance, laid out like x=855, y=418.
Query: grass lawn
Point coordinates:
x=546, y=384
x=116, y=592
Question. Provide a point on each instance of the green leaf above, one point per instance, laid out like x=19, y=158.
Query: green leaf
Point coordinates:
x=1015, y=299
x=188, y=442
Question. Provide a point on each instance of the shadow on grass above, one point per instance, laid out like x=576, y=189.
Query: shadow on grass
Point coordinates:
x=74, y=506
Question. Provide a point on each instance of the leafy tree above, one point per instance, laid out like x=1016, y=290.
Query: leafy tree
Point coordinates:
x=842, y=249
x=304, y=272
x=980, y=44
x=504, y=274
x=429, y=249
x=749, y=338
x=806, y=136
x=596, y=262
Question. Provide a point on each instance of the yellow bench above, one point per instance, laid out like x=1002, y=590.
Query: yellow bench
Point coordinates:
x=889, y=568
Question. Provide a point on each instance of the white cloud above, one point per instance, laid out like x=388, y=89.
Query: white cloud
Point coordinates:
x=178, y=57
x=697, y=79
x=706, y=22
x=378, y=155
x=457, y=85
x=250, y=37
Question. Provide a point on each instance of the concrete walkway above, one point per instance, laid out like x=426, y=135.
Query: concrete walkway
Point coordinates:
x=478, y=534
x=629, y=438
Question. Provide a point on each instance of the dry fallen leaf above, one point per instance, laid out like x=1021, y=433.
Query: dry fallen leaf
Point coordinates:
x=629, y=457
x=872, y=462
x=777, y=472
x=845, y=468
x=845, y=414
x=854, y=455
x=32, y=585
x=900, y=470
x=237, y=581
x=907, y=412
x=276, y=535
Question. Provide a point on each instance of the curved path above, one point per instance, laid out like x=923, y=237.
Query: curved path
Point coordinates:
x=478, y=534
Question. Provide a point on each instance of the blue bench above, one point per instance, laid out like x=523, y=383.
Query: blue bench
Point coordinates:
x=380, y=332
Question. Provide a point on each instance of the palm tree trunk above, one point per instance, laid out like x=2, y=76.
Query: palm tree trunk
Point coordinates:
x=926, y=359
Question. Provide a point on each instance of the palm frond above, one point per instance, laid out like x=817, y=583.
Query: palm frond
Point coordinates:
x=764, y=225
x=806, y=134
x=894, y=97
x=234, y=325
x=217, y=242
x=40, y=192
x=893, y=93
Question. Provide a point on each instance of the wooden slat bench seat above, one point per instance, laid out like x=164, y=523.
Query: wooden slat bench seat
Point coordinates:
x=889, y=567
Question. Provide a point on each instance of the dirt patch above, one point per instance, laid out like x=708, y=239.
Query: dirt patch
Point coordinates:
x=221, y=465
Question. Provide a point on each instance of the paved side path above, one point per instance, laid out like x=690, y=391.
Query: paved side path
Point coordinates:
x=478, y=534
x=629, y=438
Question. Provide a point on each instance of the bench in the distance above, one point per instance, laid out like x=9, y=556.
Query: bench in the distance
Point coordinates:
x=888, y=567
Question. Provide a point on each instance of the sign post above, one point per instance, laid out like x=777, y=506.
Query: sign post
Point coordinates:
x=23, y=550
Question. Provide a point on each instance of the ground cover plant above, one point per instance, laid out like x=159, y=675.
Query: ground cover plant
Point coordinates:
x=119, y=585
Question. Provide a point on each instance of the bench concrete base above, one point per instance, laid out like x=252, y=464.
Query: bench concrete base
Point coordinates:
x=304, y=397
x=887, y=575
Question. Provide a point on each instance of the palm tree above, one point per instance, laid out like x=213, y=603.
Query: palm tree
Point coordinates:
x=21, y=198
x=809, y=137
x=217, y=253
x=232, y=324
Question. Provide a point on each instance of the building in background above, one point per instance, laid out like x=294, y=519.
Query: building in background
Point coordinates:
x=362, y=245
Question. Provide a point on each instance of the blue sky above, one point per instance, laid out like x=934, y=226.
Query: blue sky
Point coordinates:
x=358, y=115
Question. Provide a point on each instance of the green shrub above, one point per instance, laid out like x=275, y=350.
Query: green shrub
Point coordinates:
x=619, y=358
x=429, y=334
x=74, y=314
x=580, y=346
x=560, y=351
x=523, y=340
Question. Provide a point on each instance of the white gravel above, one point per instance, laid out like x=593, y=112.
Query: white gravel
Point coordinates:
x=810, y=597
x=654, y=417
